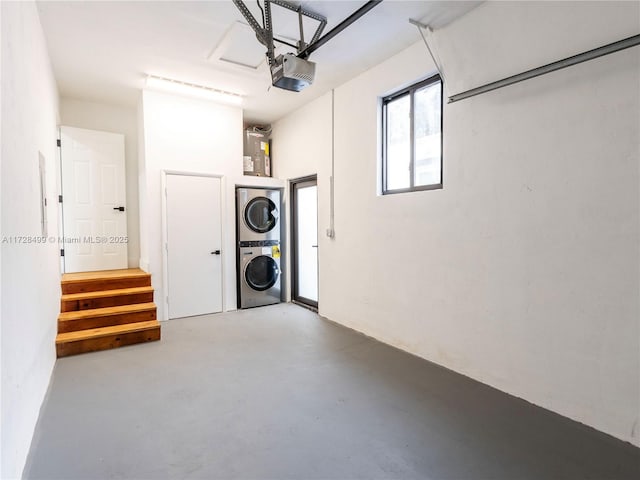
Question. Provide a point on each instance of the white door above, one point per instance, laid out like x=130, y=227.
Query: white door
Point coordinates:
x=305, y=236
x=194, y=244
x=94, y=200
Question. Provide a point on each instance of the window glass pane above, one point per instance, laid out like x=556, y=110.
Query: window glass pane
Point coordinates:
x=398, y=143
x=427, y=125
x=307, y=245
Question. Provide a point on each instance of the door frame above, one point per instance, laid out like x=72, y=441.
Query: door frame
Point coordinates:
x=165, y=233
x=295, y=297
x=60, y=246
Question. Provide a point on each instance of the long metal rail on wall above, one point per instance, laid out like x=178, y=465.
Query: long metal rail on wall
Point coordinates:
x=534, y=72
x=551, y=67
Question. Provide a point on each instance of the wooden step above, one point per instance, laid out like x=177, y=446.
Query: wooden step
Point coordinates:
x=104, y=280
x=104, y=338
x=106, y=298
x=105, y=317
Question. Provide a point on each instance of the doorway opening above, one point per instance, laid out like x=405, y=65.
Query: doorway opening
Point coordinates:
x=304, y=241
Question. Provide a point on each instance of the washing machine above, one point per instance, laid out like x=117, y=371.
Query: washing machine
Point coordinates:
x=259, y=273
x=258, y=214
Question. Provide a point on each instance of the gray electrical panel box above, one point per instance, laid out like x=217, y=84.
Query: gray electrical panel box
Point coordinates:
x=257, y=155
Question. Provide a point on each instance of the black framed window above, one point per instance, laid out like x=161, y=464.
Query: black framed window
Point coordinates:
x=412, y=138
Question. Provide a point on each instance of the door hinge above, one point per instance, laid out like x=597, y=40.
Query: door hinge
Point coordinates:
x=62, y=252
x=59, y=198
x=58, y=143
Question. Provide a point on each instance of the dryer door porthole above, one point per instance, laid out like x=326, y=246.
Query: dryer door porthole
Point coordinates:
x=262, y=273
x=261, y=215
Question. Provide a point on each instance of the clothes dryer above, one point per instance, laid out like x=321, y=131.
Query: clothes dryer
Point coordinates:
x=258, y=214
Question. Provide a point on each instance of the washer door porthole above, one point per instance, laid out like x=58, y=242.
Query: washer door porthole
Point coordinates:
x=261, y=215
x=261, y=273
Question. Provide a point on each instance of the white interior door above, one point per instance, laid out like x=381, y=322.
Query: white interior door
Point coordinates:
x=94, y=200
x=194, y=244
x=306, y=242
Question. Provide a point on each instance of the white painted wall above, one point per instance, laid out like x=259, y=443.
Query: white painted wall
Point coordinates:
x=115, y=119
x=190, y=135
x=522, y=272
x=30, y=286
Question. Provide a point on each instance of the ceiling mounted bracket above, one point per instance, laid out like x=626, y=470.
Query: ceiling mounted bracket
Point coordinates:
x=264, y=33
x=268, y=32
x=253, y=23
x=301, y=44
x=303, y=13
x=317, y=42
x=289, y=71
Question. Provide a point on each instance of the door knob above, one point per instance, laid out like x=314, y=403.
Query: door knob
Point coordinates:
x=121, y=209
x=215, y=252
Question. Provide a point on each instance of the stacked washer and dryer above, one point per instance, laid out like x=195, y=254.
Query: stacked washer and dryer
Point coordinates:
x=258, y=234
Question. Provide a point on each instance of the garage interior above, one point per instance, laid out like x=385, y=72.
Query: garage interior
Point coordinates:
x=454, y=239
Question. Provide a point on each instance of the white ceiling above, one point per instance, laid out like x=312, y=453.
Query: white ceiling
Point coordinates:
x=102, y=51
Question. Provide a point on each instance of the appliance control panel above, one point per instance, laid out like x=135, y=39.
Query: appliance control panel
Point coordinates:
x=259, y=243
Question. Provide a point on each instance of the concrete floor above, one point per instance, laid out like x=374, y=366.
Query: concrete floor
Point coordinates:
x=278, y=393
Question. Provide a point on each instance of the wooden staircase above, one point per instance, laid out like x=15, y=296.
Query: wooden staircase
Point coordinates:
x=108, y=309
